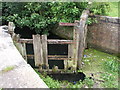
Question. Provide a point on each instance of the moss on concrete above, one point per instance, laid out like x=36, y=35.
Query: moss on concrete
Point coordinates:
x=7, y=69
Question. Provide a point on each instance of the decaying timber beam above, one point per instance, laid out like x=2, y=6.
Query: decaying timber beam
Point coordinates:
x=38, y=55
x=75, y=46
x=11, y=28
x=56, y=56
x=49, y=41
x=52, y=41
x=53, y=57
x=60, y=58
x=29, y=41
x=15, y=37
x=66, y=24
x=45, y=51
x=82, y=36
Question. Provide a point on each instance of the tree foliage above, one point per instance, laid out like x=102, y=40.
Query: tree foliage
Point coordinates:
x=42, y=17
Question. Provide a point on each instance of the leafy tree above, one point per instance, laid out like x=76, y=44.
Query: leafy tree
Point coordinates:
x=42, y=17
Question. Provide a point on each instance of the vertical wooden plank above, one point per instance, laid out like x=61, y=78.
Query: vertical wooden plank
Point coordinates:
x=24, y=51
x=75, y=45
x=82, y=36
x=85, y=34
x=70, y=50
x=38, y=55
x=20, y=46
x=15, y=39
x=70, y=55
x=45, y=52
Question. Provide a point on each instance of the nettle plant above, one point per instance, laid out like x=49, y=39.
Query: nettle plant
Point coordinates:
x=42, y=17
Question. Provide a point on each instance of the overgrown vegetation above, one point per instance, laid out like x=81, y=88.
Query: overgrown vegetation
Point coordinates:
x=103, y=66
x=111, y=66
x=42, y=17
x=51, y=83
x=114, y=7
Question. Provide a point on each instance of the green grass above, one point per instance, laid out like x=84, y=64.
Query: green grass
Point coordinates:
x=111, y=80
x=104, y=67
x=51, y=83
x=113, y=12
x=96, y=61
x=104, y=64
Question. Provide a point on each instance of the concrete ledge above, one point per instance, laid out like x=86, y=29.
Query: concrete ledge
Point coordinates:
x=14, y=71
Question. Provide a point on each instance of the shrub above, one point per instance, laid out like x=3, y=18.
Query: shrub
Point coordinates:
x=42, y=17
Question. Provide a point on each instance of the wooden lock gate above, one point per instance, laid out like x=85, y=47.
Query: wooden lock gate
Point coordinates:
x=40, y=42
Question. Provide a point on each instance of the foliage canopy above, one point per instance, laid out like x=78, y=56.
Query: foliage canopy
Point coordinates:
x=42, y=17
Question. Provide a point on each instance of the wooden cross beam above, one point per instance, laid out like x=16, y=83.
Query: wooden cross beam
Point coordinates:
x=66, y=24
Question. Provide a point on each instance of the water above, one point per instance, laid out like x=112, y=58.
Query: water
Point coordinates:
x=71, y=77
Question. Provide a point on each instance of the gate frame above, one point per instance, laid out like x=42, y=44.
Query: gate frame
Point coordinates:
x=75, y=47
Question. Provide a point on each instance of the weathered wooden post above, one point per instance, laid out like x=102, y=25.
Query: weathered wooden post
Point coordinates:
x=24, y=53
x=38, y=53
x=20, y=46
x=16, y=37
x=85, y=33
x=45, y=52
x=11, y=28
x=70, y=55
x=82, y=36
x=75, y=47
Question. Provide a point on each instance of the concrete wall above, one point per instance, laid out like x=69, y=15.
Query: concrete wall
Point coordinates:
x=14, y=70
x=104, y=35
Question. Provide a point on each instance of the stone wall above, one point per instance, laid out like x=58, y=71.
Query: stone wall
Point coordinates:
x=104, y=35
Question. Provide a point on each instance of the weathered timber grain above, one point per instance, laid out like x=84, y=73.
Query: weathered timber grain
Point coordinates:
x=29, y=41
x=11, y=28
x=45, y=52
x=61, y=58
x=49, y=41
x=76, y=39
x=38, y=55
x=70, y=55
x=55, y=41
x=66, y=24
x=82, y=36
x=49, y=56
x=24, y=51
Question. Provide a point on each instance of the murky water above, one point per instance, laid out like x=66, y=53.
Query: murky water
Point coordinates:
x=71, y=77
